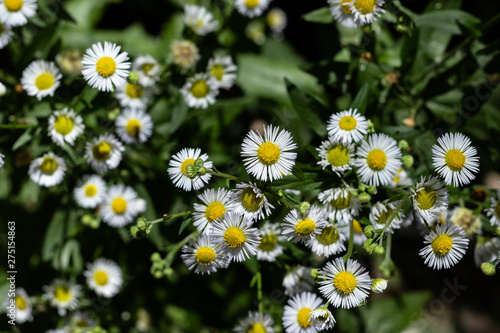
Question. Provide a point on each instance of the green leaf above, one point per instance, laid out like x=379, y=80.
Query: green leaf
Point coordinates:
x=184, y=225
x=53, y=236
x=71, y=251
x=321, y=15
x=307, y=108
x=361, y=99
x=447, y=20
x=22, y=140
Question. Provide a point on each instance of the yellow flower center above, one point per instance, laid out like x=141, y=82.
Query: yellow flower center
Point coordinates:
x=101, y=151
x=426, y=198
x=385, y=215
x=251, y=3
x=497, y=209
x=44, y=81
x=305, y=227
x=338, y=156
x=20, y=303
x=344, y=4
x=200, y=89
x=13, y=5
x=397, y=179
x=205, y=255
x=134, y=90
x=357, y=226
x=185, y=164
x=344, y=282
x=119, y=205
x=364, y=6
x=328, y=236
x=341, y=202
x=250, y=201
x=442, y=244
x=217, y=71
x=303, y=317
x=147, y=67
x=268, y=153
x=274, y=18
x=62, y=293
x=63, y=125
x=106, y=66
x=49, y=165
x=133, y=127
x=255, y=328
x=234, y=237
x=376, y=160
x=268, y=242
x=347, y=123
x=90, y=190
x=455, y=159
x=215, y=211
x=101, y=278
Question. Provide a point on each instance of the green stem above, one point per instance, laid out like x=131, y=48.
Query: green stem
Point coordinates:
x=388, y=247
x=169, y=217
x=351, y=241
x=225, y=175
x=18, y=126
x=393, y=216
x=281, y=199
x=291, y=185
x=177, y=247
x=259, y=292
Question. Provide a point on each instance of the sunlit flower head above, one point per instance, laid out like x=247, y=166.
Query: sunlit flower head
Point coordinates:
x=184, y=54
x=336, y=155
x=250, y=201
x=121, y=206
x=200, y=91
x=65, y=126
x=302, y=228
x=347, y=126
x=401, y=178
x=277, y=20
x=359, y=234
x=269, y=247
x=148, y=69
x=63, y=295
x=341, y=12
x=134, y=126
x=23, y=306
x=329, y=242
x=203, y=256
x=251, y=8
x=297, y=314
x=104, y=153
x=366, y=11
x=104, y=277
x=133, y=96
x=90, y=191
x=382, y=212
x=322, y=319
x=339, y=204
x=223, y=70
x=199, y=19
x=41, y=79
x=47, y=170
x=215, y=203
x=177, y=169
x=429, y=197
x=17, y=12
x=255, y=323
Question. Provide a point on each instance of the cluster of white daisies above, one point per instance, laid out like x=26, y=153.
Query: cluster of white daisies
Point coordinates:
x=103, y=276
x=355, y=13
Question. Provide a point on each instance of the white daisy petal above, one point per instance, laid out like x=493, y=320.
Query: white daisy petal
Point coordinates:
x=177, y=169
x=329, y=242
x=297, y=280
x=104, y=153
x=17, y=12
x=339, y=204
x=347, y=126
x=494, y=211
x=199, y=19
x=382, y=211
x=251, y=8
x=222, y=69
x=322, y=319
x=121, y=206
x=298, y=312
x=65, y=126
x=341, y=12
x=200, y=91
x=269, y=247
x=63, y=295
x=204, y=256
x=47, y=170
x=148, y=69
x=104, y=277
x=338, y=156
x=90, y=192
x=5, y=36
x=215, y=204
x=303, y=228
x=134, y=126
x=429, y=197
x=41, y=78
x=255, y=322
x=250, y=201
x=366, y=11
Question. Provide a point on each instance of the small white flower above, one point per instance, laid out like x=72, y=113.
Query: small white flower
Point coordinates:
x=346, y=285
x=203, y=256
x=447, y=245
x=65, y=126
x=382, y=211
x=297, y=314
x=251, y=8
x=134, y=126
x=133, y=96
x=199, y=19
x=235, y=237
x=303, y=228
x=340, y=205
x=277, y=20
x=298, y=280
x=184, y=53
x=429, y=197
x=330, y=241
x=379, y=285
x=104, y=153
x=121, y=206
x=47, y=170
x=5, y=38
x=215, y=204
x=341, y=12
x=90, y=192
x=23, y=306
x=347, y=126
x=223, y=70
x=269, y=156
x=494, y=210
x=366, y=11
x=63, y=295
x=455, y=159
x=17, y=12
x=269, y=247
x=2, y=161
x=105, y=67
x=41, y=78
x=177, y=169
x=104, y=277
x=401, y=179
x=148, y=69
x=322, y=319
x=338, y=156
x=255, y=323
x=250, y=201
x=200, y=91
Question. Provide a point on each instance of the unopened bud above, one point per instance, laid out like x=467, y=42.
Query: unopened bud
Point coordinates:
x=379, y=285
x=133, y=78
x=155, y=257
x=369, y=231
x=202, y=171
x=488, y=268
x=371, y=127
x=135, y=232
x=379, y=249
x=355, y=193
x=403, y=144
x=362, y=187
x=198, y=163
x=314, y=273
x=498, y=231
x=372, y=189
x=142, y=223
x=191, y=171
x=407, y=161
x=304, y=207
x=368, y=245
x=364, y=197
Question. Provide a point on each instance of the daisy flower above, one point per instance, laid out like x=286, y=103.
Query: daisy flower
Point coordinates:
x=382, y=211
x=446, y=246
x=455, y=159
x=41, y=78
x=302, y=228
x=177, y=170
x=184, y=54
x=366, y=11
x=5, y=35
x=105, y=67
x=121, y=206
x=340, y=205
x=2, y=161
x=81, y=319
x=298, y=280
x=277, y=21
x=466, y=219
x=336, y=155
x=297, y=314
x=65, y=126
x=330, y=241
x=133, y=96
x=359, y=234
x=235, y=237
x=47, y=170
x=215, y=204
x=134, y=126
x=268, y=156
x=401, y=179
x=341, y=12
x=322, y=319
x=203, y=256
x=148, y=69
x=378, y=159
x=17, y=12
x=255, y=322
x=104, y=277
x=429, y=197
x=200, y=91
x=251, y=8
x=90, y=192
x=199, y=19
x=347, y=126
x=379, y=285
x=256, y=31
x=269, y=248
x=250, y=201
x=63, y=295
x=494, y=210
x=346, y=285
x=104, y=153
x=23, y=306
x=223, y=70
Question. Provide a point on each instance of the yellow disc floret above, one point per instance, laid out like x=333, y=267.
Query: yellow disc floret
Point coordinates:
x=13, y=5
x=364, y=6
x=455, y=159
x=441, y=245
x=101, y=151
x=344, y=282
x=44, y=81
x=357, y=226
x=101, y=278
x=328, y=236
x=426, y=198
x=305, y=227
x=250, y=200
x=205, y=255
x=338, y=156
x=268, y=153
x=234, y=237
x=303, y=317
x=106, y=66
x=268, y=242
x=90, y=190
x=255, y=328
x=21, y=303
x=251, y=3
x=376, y=160
x=63, y=125
x=134, y=90
x=217, y=71
x=133, y=127
x=185, y=164
x=347, y=123
x=119, y=205
x=215, y=211
x=62, y=293
x=345, y=5
x=200, y=89
x=49, y=165
x=341, y=202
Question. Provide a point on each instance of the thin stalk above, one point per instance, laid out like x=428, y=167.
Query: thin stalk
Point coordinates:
x=351, y=241
x=393, y=215
x=169, y=217
x=259, y=292
x=225, y=175
x=291, y=185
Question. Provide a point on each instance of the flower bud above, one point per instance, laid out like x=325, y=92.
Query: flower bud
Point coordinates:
x=158, y=274
x=136, y=232
x=314, y=273
x=142, y=223
x=379, y=285
x=369, y=231
x=133, y=78
x=407, y=161
x=364, y=197
x=355, y=193
x=372, y=189
x=403, y=144
x=155, y=257
x=488, y=268
x=304, y=207
x=191, y=171
x=87, y=219
x=3, y=90
x=362, y=187
x=371, y=127
x=498, y=231
x=198, y=163
x=379, y=249
x=368, y=245
x=202, y=171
